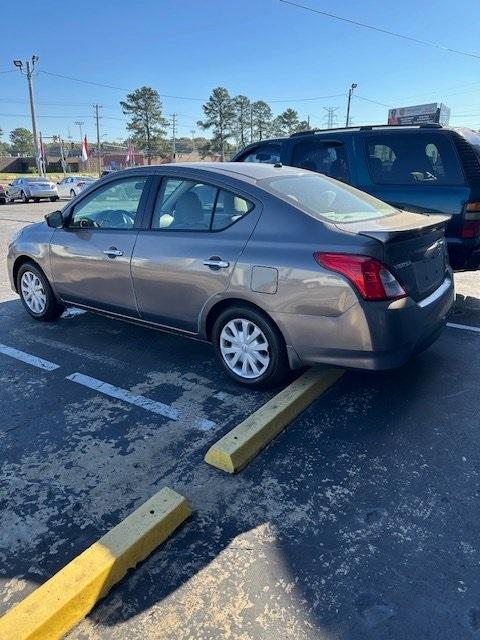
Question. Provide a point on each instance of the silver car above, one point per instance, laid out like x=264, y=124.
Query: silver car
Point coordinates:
x=70, y=186
x=278, y=267
x=36, y=189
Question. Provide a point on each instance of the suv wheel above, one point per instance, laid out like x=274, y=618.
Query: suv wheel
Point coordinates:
x=250, y=348
x=36, y=293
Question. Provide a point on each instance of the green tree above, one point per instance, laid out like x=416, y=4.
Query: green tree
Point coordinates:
x=219, y=113
x=287, y=123
x=242, y=107
x=4, y=147
x=22, y=141
x=146, y=123
x=261, y=119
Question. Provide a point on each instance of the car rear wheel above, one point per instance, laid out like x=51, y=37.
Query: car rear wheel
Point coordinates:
x=250, y=348
x=36, y=293
x=53, y=198
x=24, y=197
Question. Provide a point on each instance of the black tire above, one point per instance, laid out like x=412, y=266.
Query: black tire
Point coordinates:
x=25, y=200
x=3, y=201
x=53, y=309
x=53, y=198
x=36, y=199
x=277, y=368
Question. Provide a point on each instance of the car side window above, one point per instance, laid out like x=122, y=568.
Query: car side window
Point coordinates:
x=423, y=158
x=113, y=206
x=229, y=208
x=267, y=153
x=322, y=157
x=184, y=205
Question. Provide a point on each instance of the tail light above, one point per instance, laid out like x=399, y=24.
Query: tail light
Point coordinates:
x=370, y=277
x=471, y=220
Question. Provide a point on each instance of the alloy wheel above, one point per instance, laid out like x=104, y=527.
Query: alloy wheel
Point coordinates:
x=33, y=292
x=244, y=348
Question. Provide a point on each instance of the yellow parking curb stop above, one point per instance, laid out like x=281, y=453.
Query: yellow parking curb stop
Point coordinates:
x=61, y=602
x=240, y=445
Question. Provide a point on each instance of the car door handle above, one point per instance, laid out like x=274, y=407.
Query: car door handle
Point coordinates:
x=113, y=252
x=216, y=263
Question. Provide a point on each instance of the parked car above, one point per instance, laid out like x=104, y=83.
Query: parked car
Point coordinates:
x=31, y=188
x=71, y=186
x=3, y=195
x=278, y=267
x=426, y=169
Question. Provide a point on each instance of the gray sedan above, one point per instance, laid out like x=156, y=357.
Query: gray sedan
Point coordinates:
x=278, y=267
x=32, y=188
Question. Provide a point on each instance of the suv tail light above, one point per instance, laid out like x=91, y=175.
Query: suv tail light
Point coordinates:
x=371, y=278
x=471, y=220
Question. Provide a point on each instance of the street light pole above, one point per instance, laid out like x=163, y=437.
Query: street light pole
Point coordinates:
x=350, y=93
x=30, y=66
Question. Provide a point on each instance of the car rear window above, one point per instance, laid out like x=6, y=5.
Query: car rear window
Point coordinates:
x=326, y=199
x=420, y=158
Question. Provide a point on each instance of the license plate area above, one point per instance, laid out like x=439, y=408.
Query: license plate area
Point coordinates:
x=430, y=271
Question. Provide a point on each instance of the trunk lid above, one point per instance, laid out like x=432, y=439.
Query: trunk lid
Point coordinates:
x=414, y=248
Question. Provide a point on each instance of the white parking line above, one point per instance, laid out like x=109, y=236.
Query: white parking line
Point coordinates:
x=26, y=357
x=125, y=395
x=465, y=327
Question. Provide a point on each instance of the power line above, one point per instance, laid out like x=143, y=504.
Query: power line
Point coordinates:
x=380, y=30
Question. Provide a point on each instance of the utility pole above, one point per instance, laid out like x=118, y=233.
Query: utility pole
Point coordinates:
x=350, y=94
x=80, y=126
x=42, y=158
x=251, y=123
x=62, y=155
x=97, y=118
x=174, y=140
x=331, y=117
x=30, y=66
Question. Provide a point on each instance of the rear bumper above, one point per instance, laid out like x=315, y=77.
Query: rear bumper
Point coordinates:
x=43, y=194
x=374, y=335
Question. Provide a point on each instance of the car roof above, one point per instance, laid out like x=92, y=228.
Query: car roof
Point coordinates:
x=245, y=171
x=250, y=170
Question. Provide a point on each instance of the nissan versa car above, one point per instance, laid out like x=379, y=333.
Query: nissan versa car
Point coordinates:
x=278, y=267
x=35, y=189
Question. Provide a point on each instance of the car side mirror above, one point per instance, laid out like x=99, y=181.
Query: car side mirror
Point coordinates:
x=54, y=219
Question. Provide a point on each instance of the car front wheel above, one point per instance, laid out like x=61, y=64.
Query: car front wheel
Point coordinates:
x=36, y=293
x=250, y=348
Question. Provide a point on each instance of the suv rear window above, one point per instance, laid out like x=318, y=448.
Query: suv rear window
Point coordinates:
x=423, y=158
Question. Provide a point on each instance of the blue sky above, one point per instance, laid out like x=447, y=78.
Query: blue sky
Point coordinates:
x=262, y=48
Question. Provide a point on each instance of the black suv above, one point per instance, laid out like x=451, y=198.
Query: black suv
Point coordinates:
x=425, y=168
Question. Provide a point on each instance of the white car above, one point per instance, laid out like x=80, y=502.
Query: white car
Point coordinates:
x=71, y=186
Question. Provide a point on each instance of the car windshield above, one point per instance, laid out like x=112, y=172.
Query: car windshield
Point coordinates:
x=327, y=199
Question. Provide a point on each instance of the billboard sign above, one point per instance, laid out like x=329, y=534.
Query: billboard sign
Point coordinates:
x=433, y=113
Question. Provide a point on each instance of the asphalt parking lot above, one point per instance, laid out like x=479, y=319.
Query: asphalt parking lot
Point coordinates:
x=360, y=521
